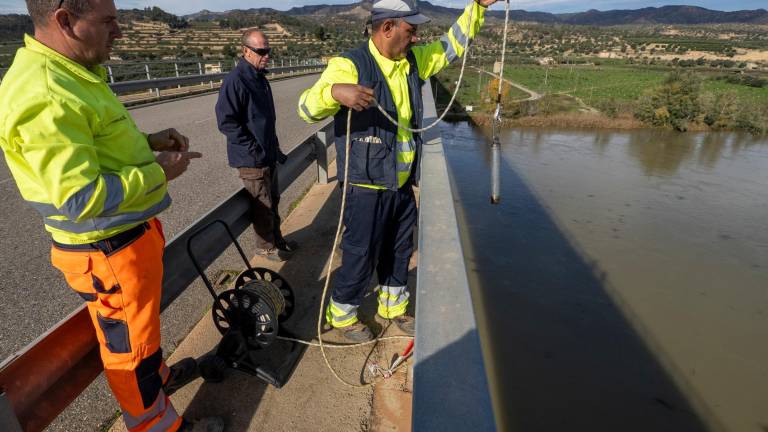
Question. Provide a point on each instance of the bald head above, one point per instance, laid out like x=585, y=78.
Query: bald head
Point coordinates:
x=256, y=48
x=254, y=38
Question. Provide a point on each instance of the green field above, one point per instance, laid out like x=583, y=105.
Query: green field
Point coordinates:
x=590, y=83
x=752, y=95
x=472, y=86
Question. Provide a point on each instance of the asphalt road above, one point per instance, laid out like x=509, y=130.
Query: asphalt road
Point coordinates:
x=34, y=295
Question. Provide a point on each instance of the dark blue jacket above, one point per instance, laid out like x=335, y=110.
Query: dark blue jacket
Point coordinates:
x=373, y=149
x=245, y=113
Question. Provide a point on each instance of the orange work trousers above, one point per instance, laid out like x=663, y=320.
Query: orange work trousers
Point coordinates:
x=122, y=289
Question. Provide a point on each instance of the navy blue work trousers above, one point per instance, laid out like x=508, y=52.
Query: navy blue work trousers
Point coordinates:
x=378, y=233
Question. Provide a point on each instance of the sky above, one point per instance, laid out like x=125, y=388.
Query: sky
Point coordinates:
x=181, y=7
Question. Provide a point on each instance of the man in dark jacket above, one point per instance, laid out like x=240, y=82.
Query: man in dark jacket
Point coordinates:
x=245, y=113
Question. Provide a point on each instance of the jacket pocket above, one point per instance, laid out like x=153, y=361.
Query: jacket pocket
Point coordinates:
x=368, y=159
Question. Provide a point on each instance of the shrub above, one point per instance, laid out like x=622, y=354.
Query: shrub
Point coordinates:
x=674, y=103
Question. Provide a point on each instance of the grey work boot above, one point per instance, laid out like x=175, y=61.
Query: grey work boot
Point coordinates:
x=406, y=324
x=205, y=424
x=357, y=332
x=182, y=373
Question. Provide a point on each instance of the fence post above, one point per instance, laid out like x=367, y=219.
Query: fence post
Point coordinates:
x=176, y=69
x=200, y=68
x=324, y=138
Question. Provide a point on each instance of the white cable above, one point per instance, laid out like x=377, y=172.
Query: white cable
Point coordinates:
x=497, y=114
x=343, y=346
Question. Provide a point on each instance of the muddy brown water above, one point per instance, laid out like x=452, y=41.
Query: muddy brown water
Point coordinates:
x=622, y=282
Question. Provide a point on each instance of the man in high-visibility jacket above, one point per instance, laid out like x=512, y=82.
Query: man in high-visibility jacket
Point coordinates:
x=79, y=159
x=380, y=212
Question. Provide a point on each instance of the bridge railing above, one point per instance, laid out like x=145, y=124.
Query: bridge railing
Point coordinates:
x=450, y=387
x=157, y=84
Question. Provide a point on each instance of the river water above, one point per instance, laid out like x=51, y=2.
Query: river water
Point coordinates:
x=622, y=282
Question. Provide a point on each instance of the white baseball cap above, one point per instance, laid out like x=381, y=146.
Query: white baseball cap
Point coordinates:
x=405, y=9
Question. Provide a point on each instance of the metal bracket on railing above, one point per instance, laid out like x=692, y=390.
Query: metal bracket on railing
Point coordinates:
x=324, y=139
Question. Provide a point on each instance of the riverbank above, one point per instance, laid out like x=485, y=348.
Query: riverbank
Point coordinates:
x=574, y=120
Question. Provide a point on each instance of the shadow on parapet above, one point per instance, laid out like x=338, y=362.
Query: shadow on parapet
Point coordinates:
x=566, y=353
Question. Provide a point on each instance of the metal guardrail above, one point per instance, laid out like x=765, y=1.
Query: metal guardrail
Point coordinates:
x=162, y=83
x=450, y=389
x=40, y=381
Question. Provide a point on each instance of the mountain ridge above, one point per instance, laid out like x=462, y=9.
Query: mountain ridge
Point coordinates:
x=671, y=14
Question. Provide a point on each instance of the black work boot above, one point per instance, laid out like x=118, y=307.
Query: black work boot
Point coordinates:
x=287, y=245
x=357, y=332
x=205, y=424
x=182, y=373
x=406, y=324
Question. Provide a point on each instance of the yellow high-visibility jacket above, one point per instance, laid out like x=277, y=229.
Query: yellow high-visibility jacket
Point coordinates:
x=73, y=149
x=317, y=103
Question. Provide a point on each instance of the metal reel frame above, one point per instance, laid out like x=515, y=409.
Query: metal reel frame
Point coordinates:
x=248, y=313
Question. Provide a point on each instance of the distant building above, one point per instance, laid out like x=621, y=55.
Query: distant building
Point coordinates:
x=546, y=61
x=211, y=68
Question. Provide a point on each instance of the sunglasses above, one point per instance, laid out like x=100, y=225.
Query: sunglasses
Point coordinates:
x=260, y=51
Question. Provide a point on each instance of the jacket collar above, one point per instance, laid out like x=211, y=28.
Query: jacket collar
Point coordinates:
x=388, y=67
x=97, y=74
x=249, y=69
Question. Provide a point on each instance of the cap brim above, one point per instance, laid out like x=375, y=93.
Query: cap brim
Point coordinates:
x=417, y=19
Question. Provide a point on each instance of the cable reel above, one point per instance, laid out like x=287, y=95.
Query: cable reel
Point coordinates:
x=248, y=317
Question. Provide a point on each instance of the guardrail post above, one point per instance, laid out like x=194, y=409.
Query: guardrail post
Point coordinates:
x=111, y=77
x=146, y=69
x=324, y=139
x=200, y=68
x=8, y=420
x=176, y=69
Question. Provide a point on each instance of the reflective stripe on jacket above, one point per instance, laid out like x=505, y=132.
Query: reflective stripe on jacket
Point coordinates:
x=73, y=149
